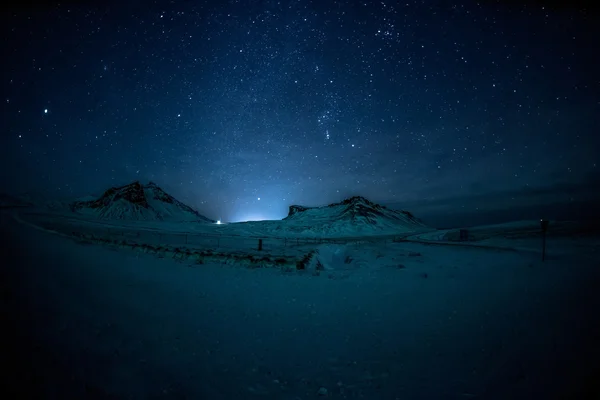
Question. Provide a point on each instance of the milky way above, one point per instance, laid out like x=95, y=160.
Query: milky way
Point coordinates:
x=242, y=108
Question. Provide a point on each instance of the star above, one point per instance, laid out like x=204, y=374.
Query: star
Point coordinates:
x=275, y=100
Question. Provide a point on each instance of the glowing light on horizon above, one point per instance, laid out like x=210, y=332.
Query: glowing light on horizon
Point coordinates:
x=253, y=217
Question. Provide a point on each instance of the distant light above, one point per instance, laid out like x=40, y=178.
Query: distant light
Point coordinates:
x=219, y=222
x=253, y=217
x=259, y=198
x=45, y=111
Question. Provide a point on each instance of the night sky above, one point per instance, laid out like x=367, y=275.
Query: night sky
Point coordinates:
x=241, y=108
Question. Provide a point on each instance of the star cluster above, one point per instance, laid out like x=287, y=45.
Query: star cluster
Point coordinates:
x=242, y=108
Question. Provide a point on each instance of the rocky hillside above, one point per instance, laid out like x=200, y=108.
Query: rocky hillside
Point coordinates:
x=138, y=202
x=354, y=215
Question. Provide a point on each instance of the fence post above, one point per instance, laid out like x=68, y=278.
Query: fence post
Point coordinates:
x=259, y=244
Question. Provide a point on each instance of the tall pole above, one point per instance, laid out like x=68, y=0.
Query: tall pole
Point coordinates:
x=543, y=245
x=544, y=223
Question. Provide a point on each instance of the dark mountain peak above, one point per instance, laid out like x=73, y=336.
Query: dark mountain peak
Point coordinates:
x=356, y=200
x=351, y=205
x=138, y=201
x=356, y=211
x=133, y=193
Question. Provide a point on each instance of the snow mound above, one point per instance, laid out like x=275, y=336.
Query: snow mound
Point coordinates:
x=138, y=202
x=353, y=216
x=330, y=257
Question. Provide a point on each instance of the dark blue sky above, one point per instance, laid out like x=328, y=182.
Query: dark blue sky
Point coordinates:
x=242, y=108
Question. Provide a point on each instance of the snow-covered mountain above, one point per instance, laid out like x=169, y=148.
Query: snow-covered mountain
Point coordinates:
x=138, y=202
x=355, y=215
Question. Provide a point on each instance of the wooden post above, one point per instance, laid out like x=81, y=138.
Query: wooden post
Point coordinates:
x=259, y=244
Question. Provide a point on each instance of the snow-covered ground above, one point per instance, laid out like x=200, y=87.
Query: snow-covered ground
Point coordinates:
x=200, y=236
x=561, y=236
x=369, y=320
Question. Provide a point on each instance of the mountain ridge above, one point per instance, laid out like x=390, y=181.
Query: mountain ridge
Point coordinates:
x=355, y=212
x=136, y=201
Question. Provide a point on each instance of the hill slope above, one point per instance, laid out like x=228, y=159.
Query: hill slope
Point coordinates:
x=353, y=216
x=138, y=202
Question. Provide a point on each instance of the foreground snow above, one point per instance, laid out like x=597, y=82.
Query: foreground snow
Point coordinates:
x=378, y=321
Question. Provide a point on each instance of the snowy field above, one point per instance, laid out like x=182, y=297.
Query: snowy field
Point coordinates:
x=562, y=237
x=366, y=320
x=225, y=238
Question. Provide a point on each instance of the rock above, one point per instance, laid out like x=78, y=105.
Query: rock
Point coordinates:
x=322, y=392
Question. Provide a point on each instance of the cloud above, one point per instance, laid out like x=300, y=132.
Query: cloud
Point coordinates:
x=584, y=190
